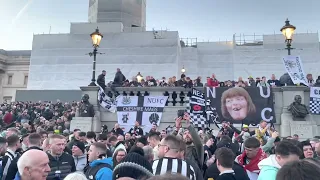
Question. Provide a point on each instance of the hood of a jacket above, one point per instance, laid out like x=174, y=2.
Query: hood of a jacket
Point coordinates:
x=101, y=161
x=269, y=162
x=80, y=157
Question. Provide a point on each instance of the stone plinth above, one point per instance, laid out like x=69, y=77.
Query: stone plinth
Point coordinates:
x=305, y=129
x=83, y=123
x=92, y=91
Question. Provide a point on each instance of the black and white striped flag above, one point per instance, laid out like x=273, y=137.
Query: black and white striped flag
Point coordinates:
x=106, y=101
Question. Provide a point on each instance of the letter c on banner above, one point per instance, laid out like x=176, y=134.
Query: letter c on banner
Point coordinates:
x=263, y=116
x=262, y=93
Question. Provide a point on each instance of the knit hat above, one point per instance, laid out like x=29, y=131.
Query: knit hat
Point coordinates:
x=143, y=140
x=133, y=165
x=80, y=145
x=223, y=144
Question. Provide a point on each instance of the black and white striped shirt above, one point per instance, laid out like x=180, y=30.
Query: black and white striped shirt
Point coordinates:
x=172, y=165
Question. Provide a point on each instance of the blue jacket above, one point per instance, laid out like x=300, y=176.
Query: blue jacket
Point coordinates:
x=269, y=168
x=18, y=177
x=103, y=173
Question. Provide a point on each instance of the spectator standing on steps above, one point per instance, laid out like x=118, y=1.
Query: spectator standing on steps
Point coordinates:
x=101, y=81
x=119, y=78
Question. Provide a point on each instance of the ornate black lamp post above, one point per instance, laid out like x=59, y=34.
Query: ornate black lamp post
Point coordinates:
x=288, y=31
x=96, y=39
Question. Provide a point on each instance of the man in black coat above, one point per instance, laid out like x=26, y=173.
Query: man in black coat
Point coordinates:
x=237, y=170
x=61, y=163
x=101, y=80
x=119, y=78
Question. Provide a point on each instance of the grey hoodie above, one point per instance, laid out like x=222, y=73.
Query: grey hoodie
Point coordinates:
x=80, y=162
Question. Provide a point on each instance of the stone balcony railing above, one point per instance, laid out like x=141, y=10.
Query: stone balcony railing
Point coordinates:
x=178, y=99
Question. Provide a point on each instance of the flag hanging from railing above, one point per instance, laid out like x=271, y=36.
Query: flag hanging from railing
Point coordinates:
x=106, y=101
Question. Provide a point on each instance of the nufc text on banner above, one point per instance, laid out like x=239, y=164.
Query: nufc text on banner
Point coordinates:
x=196, y=108
x=242, y=105
x=315, y=100
x=147, y=110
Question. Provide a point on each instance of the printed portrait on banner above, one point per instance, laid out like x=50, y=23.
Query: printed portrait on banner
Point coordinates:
x=242, y=105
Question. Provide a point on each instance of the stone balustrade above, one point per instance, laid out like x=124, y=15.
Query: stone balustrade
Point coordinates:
x=178, y=99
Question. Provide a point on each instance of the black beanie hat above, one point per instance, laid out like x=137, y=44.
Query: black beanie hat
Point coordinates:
x=133, y=165
x=80, y=145
x=143, y=140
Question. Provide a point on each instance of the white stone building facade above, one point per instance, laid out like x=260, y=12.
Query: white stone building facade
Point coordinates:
x=14, y=73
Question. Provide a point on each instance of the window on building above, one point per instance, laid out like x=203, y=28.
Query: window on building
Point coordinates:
x=10, y=80
x=25, y=81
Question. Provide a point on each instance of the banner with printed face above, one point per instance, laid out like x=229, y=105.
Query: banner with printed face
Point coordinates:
x=147, y=110
x=242, y=105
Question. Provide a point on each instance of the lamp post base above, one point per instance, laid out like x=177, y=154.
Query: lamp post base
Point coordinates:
x=92, y=84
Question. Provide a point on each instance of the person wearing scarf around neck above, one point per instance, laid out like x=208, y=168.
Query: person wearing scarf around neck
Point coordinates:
x=250, y=157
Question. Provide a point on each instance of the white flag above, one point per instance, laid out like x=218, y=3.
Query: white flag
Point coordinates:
x=106, y=101
x=294, y=68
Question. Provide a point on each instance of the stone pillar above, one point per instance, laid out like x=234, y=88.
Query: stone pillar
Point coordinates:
x=92, y=91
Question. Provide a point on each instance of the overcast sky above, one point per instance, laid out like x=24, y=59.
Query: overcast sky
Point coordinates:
x=205, y=19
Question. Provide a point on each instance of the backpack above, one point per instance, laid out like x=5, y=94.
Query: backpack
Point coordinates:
x=91, y=172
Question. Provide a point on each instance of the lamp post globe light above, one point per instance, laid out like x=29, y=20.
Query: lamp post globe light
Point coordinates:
x=183, y=70
x=96, y=39
x=288, y=31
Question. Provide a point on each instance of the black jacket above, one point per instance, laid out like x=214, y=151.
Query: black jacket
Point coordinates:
x=11, y=162
x=213, y=172
x=118, y=131
x=119, y=78
x=101, y=81
x=229, y=176
x=61, y=166
x=13, y=168
x=138, y=131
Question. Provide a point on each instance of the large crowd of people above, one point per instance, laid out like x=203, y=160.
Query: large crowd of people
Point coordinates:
x=37, y=143
x=120, y=80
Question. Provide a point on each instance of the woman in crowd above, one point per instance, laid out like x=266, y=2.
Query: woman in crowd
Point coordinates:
x=118, y=156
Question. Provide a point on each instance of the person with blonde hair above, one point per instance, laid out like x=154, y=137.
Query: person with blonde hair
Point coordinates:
x=76, y=176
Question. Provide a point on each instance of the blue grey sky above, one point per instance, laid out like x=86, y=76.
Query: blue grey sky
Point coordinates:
x=205, y=19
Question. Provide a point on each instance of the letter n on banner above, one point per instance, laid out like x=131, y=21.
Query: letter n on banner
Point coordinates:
x=210, y=92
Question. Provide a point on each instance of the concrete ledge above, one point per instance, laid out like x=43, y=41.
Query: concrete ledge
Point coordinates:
x=89, y=88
